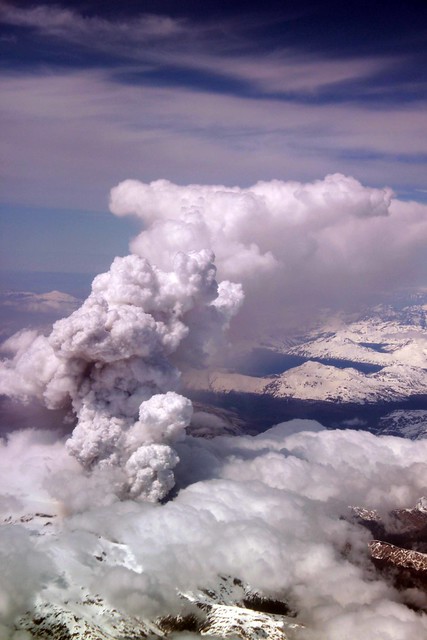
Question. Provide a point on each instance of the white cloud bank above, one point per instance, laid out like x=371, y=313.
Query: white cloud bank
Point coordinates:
x=266, y=509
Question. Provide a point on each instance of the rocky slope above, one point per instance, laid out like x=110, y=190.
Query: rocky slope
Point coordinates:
x=405, y=424
x=401, y=545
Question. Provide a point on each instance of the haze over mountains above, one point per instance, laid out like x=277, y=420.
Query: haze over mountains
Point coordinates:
x=374, y=360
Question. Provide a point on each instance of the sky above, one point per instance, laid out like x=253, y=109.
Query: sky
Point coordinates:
x=93, y=93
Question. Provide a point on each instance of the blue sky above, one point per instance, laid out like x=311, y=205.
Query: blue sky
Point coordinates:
x=95, y=92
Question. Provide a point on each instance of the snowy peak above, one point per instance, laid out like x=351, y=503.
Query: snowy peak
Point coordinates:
x=315, y=381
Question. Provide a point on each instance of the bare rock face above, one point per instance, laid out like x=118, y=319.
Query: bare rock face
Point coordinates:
x=391, y=555
x=401, y=545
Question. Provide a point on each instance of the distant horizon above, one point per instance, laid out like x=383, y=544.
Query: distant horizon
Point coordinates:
x=72, y=282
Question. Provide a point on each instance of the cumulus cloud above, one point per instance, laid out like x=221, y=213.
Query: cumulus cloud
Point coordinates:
x=293, y=245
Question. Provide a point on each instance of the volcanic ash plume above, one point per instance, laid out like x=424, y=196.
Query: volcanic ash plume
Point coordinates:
x=111, y=357
x=295, y=247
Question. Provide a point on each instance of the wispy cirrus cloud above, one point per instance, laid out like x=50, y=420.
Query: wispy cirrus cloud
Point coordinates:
x=64, y=22
x=165, y=50
x=85, y=129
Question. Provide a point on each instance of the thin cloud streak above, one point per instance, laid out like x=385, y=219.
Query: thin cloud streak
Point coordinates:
x=288, y=72
x=59, y=22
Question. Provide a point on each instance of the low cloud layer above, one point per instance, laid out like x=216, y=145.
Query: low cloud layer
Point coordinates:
x=266, y=509
x=294, y=246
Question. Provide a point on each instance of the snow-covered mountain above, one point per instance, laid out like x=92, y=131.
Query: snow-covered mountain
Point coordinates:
x=20, y=309
x=381, y=356
x=406, y=424
x=361, y=371
x=227, y=475
x=316, y=381
x=384, y=336
x=228, y=609
x=257, y=543
x=68, y=610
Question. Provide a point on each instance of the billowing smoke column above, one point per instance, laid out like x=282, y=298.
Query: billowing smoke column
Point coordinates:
x=111, y=357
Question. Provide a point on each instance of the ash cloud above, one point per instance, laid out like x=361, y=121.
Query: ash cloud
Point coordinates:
x=294, y=246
